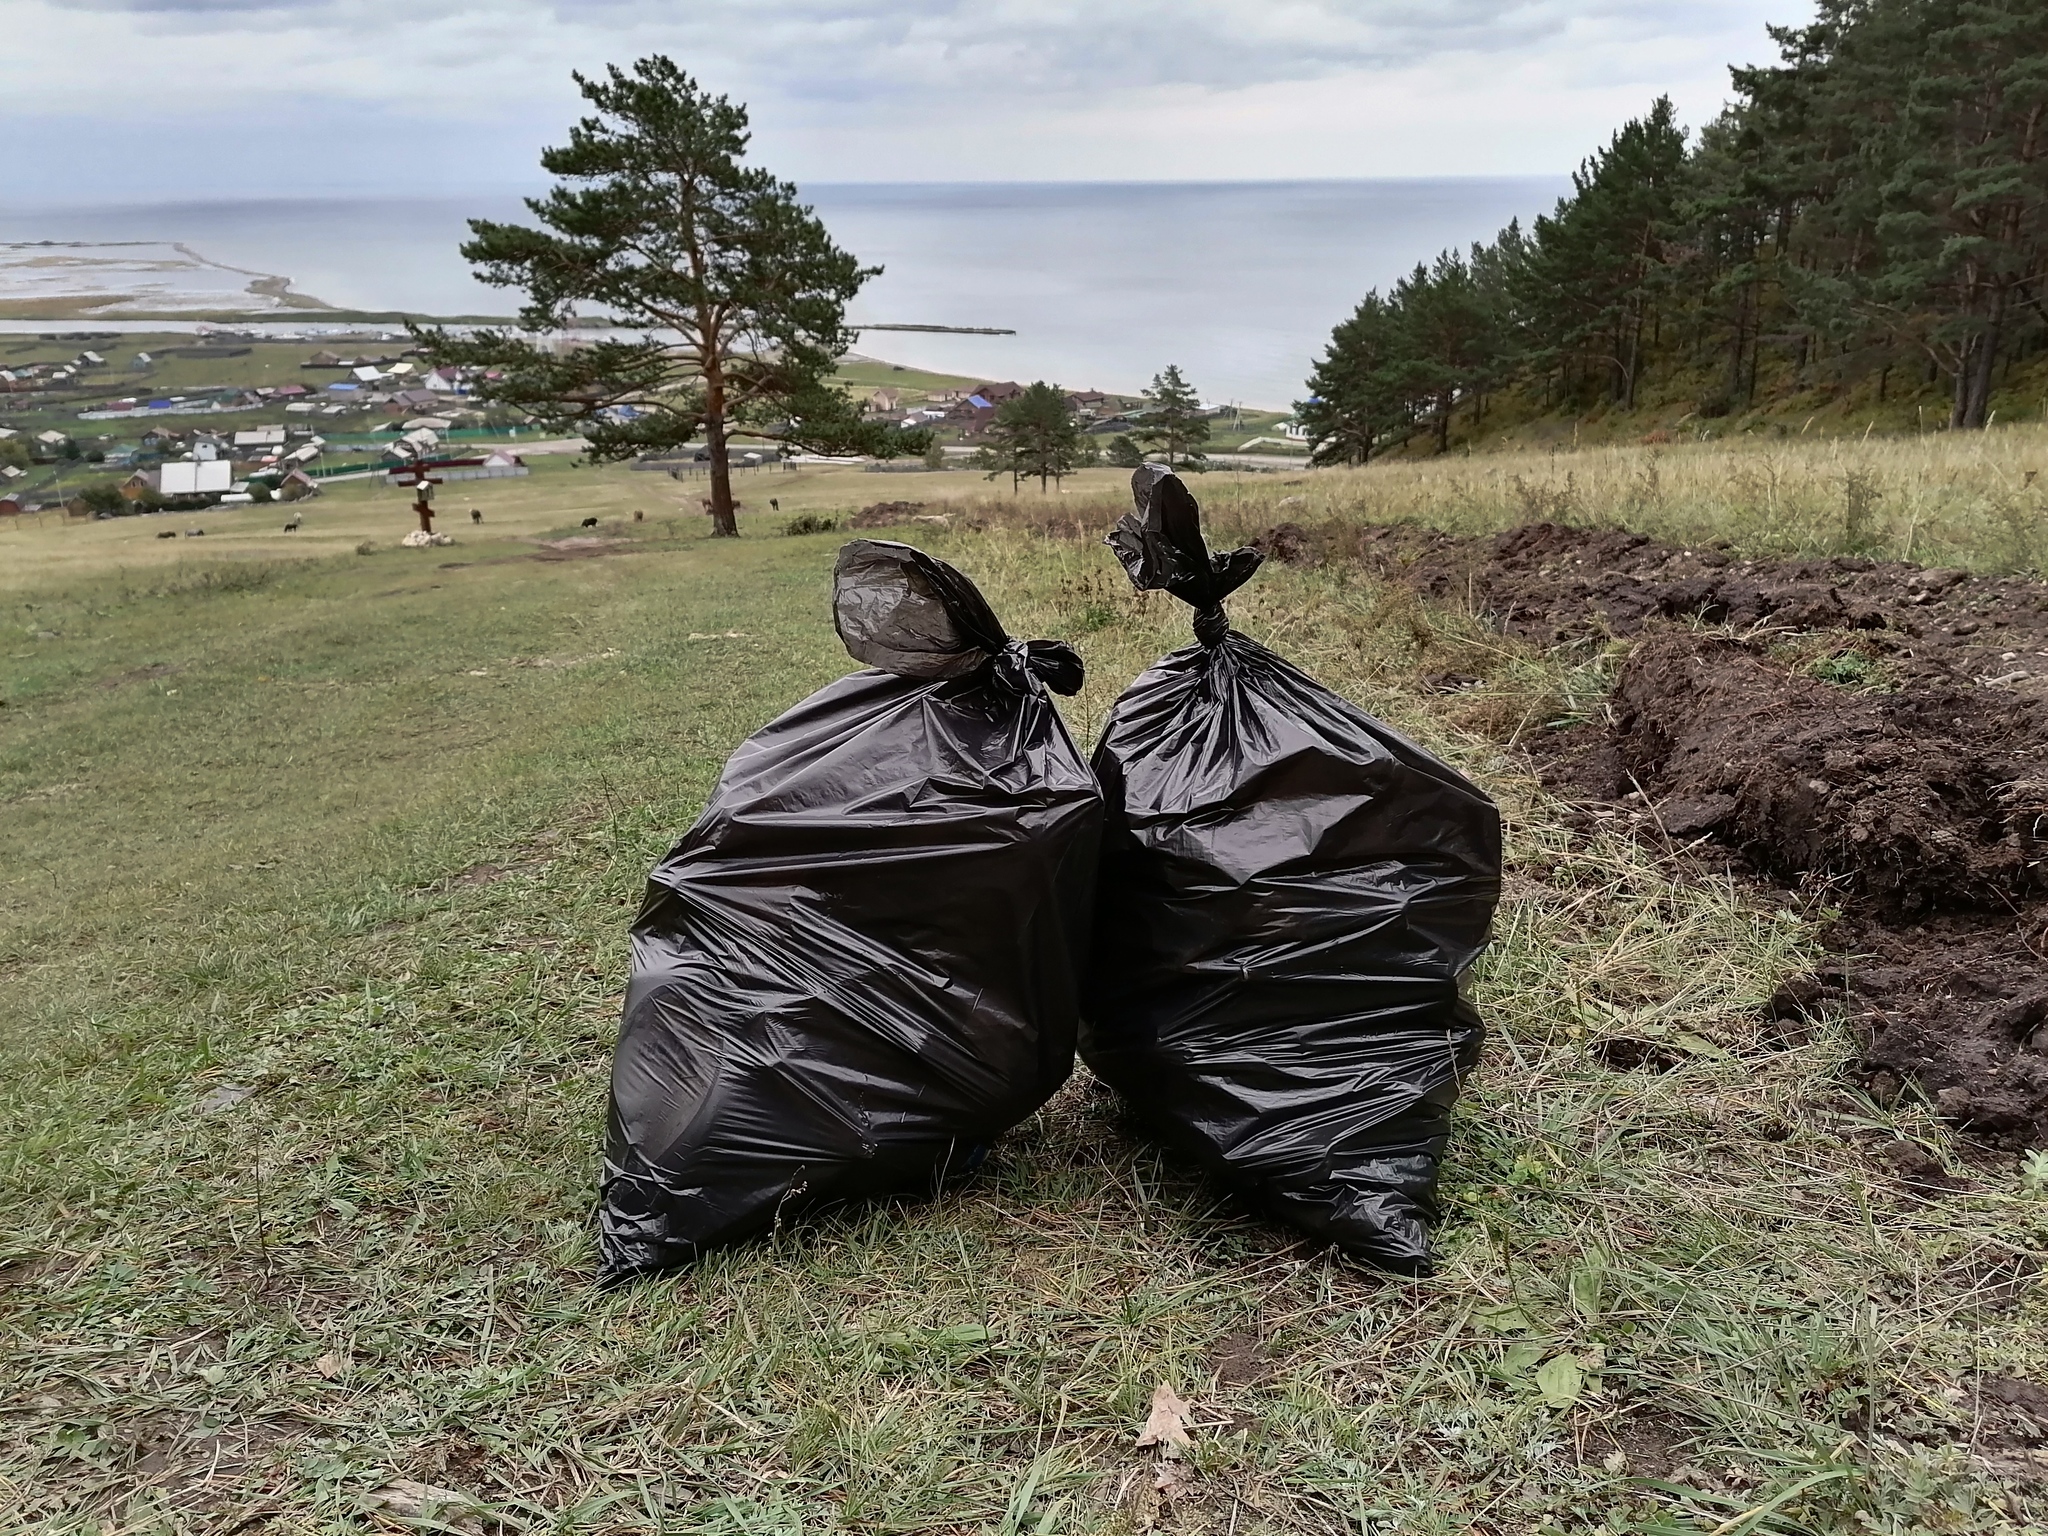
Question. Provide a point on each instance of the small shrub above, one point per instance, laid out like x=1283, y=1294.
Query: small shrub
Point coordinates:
x=1859, y=512
x=1713, y=407
x=1845, y=669
x=367, y=547
x=1125, y=453
x=810, y=522
x=1546, y=503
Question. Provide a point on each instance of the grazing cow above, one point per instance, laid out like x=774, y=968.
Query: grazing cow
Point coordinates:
x=292, y=526
x=590, y=522
x=774, y=504
x=638, y=515
x=195, y=533
x=476, y=514
x=168, y=533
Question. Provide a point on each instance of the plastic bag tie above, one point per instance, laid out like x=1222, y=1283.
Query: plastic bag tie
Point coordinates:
x=1021, y=664
x=1161, y=547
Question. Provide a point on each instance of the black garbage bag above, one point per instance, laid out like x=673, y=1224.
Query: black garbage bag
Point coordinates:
x=1289, y=897
x=861, y=966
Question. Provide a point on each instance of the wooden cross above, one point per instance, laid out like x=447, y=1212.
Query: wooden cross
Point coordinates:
x=423, y=493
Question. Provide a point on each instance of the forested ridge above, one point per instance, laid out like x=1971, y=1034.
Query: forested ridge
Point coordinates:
x=1869, y=214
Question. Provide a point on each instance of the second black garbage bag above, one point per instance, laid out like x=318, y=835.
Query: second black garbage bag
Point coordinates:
x=1290, y=895
x=860, y=967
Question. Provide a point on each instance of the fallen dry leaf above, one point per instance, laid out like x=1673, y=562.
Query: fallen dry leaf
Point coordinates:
x=331, y=1365
x=1166, y=1426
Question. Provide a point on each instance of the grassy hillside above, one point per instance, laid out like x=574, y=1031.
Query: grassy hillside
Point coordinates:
x=314, y=878
x=1787, y=404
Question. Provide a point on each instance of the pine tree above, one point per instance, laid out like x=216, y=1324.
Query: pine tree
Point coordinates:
x=1356, y=399
x=1035, y=434
x=1595, y=267
x=1963, y=199
x=737, y=289
x=1173, y=423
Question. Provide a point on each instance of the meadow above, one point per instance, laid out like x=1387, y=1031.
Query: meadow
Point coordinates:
x=316, y=863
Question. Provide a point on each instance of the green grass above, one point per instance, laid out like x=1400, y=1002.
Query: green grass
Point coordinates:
x=362, y=834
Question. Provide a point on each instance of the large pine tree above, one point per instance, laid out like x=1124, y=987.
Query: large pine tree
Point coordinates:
x=735, y=288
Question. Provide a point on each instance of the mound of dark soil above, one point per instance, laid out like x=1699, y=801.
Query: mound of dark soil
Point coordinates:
x=1926, y=811
x=1550, y=583
x=1919, y=802
x=1922, y=812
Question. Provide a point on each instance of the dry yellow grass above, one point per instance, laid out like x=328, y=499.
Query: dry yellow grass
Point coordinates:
x=1973, y=499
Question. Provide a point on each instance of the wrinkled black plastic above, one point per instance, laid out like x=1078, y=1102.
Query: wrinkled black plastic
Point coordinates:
x=860, y=967
x=1290, y=893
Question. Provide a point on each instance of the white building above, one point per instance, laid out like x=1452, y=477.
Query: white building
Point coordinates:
x=196, y=477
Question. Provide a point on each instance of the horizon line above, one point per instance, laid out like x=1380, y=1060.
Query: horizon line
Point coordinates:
x=521, y=189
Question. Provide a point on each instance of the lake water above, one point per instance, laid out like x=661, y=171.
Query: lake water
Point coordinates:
x=1104, y=283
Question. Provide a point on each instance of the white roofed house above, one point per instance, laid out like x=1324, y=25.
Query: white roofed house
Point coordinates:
x=368, y=374
x=406, y=448
x=195, y=477
x=259, y=437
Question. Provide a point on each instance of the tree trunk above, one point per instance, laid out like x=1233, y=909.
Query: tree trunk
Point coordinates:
x=1443, y=423
x=1635, y=358
x=723, y=524
x=1742, y=306
x=1978, y=402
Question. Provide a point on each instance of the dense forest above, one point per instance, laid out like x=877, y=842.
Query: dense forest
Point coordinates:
x=1873, y=210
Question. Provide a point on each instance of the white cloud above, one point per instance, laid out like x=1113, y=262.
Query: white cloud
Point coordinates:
x=265, y=95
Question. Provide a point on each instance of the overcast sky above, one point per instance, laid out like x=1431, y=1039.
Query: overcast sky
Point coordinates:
x=105, y=100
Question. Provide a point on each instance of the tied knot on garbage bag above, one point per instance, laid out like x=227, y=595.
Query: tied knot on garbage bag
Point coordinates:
x=901, y=610
x=861, y=966
x=1161, y=546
